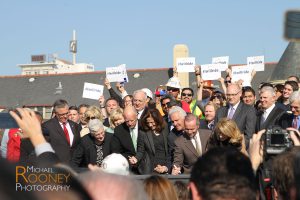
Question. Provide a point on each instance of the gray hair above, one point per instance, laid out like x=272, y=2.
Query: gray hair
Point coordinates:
x=268, y=89
x=191, y=117
x=295, y=96
x=178, y=109
x=140, y=91
x=95, y=125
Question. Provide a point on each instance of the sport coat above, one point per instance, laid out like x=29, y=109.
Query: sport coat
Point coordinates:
x=244, y=116
x=146, y=151
x=185, y=154
x=86, y=152
x=286, y=120
x=55, y=135
x=122, y=142
x=271, y=120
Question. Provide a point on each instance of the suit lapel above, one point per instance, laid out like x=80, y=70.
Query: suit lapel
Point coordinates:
x=190, y=146
x=75, y=136
x=129, y=139
x=60, y=130
x=165, y=135
x=237, y=111
x=149, y=137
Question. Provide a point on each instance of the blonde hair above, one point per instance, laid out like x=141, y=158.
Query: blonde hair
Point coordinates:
x=115, y=115
x=93, y=111
x=229, y=128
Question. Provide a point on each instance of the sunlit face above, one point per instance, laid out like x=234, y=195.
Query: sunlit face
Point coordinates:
x=173, y=92
x=81, y=115
x=99, y=135
x=119, y=120
x=233, y=94
x=111, y=105
x=287, y=91
x=151, y=123
x=249, y=98
x=209, y=113
x=177, y=121
x=74, y=116
x=187, y=96
x=139, y=101
x=266, y=99
x=295, y=106
x=127, y=101
x=62, y=114
x=190, y=128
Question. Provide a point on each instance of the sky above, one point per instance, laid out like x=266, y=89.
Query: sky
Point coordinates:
x=139, y=33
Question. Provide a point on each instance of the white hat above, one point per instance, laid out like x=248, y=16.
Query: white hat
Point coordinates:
x=115, y=164
x=174, y=83
x=148, y=92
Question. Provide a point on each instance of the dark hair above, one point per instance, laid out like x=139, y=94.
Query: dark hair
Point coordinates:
x=218, y=162
x=296, y=77
x=167, y=96
x=73, y=108
x=279, y=87
x=263, y=84
x=181, y=190
x=158, y=119
x=111, y=99
x=249, y=89
x=60, y=103
x=83, y=106
x=293, y=84
x=190, y=89
x=39, y=114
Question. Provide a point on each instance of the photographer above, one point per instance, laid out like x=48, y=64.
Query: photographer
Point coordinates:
x=264, y=164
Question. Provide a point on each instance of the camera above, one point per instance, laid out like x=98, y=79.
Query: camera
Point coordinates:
x=277, y=140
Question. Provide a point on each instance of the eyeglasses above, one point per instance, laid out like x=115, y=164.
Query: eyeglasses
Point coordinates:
x=227, y=81
x=130, y=121
x=232, y=95
x=172, y=89
x=165, y=104
x=89, y=118
x=63, y=114
x=185, y=94
x=216, y=96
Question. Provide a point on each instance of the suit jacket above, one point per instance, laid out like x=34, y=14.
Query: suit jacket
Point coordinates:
x=271, y=120
x=244, y=116
x=55, y=135
x=185, y=154
x=122, y=142
x=86, y=152
x=286, y=120
x=146, y=151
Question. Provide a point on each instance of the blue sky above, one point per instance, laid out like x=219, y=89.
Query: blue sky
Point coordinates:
x=141, y=34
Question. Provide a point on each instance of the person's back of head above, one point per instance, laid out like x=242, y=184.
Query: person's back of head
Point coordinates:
x=101, y=185
x=159, y=188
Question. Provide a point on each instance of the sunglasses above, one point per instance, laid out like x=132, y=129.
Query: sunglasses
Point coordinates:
x=89, y=118
x=173, y=89
x=216, y=96
x=227, y=81
x=184, y=94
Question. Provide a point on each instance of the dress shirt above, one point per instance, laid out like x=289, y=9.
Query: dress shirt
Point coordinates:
x=71, y=135
x=235, y=107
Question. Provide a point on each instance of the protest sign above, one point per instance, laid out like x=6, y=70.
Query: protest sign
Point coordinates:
x=92, y=91
x=222, y=61
x=117, y=74
x=256, y=62
x=210, y=72
x=242, y=73
x=186, y=64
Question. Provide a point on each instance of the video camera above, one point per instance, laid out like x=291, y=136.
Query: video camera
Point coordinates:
x=277, y=140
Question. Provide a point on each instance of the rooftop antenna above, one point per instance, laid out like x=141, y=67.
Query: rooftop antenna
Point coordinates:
x=73, y=47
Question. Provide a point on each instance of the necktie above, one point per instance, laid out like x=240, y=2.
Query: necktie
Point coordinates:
x=134, y=139
x=295, y=122
x=198, y=148
x=264, y=117
x=231, y=113
x=66, y=133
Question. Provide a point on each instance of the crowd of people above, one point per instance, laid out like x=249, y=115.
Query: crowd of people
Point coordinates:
x=217, y=136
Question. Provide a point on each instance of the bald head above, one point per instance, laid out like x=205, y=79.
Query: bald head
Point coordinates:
x=130, y=116
x=234, y=93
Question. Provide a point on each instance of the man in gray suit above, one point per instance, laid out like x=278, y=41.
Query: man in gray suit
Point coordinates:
x=189, y=146
x=243, y=115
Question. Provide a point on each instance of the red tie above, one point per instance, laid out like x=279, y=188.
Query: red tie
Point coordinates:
x=66, y=133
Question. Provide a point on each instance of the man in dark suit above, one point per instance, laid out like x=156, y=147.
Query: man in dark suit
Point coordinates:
x=140, y=102
x=243, y=115
x=94, y=147
x=209, y=113
x=289, y=119
x=125, y=136
x=190, y=146
x=61, y=133
x=270, y=113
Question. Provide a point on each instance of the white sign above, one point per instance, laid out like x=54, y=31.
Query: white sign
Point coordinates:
x=210, y=72
x=222, y=61
x=92, y=91
x=186, y=64
x=242, y=73
x=257, y=62
x=117, y=74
